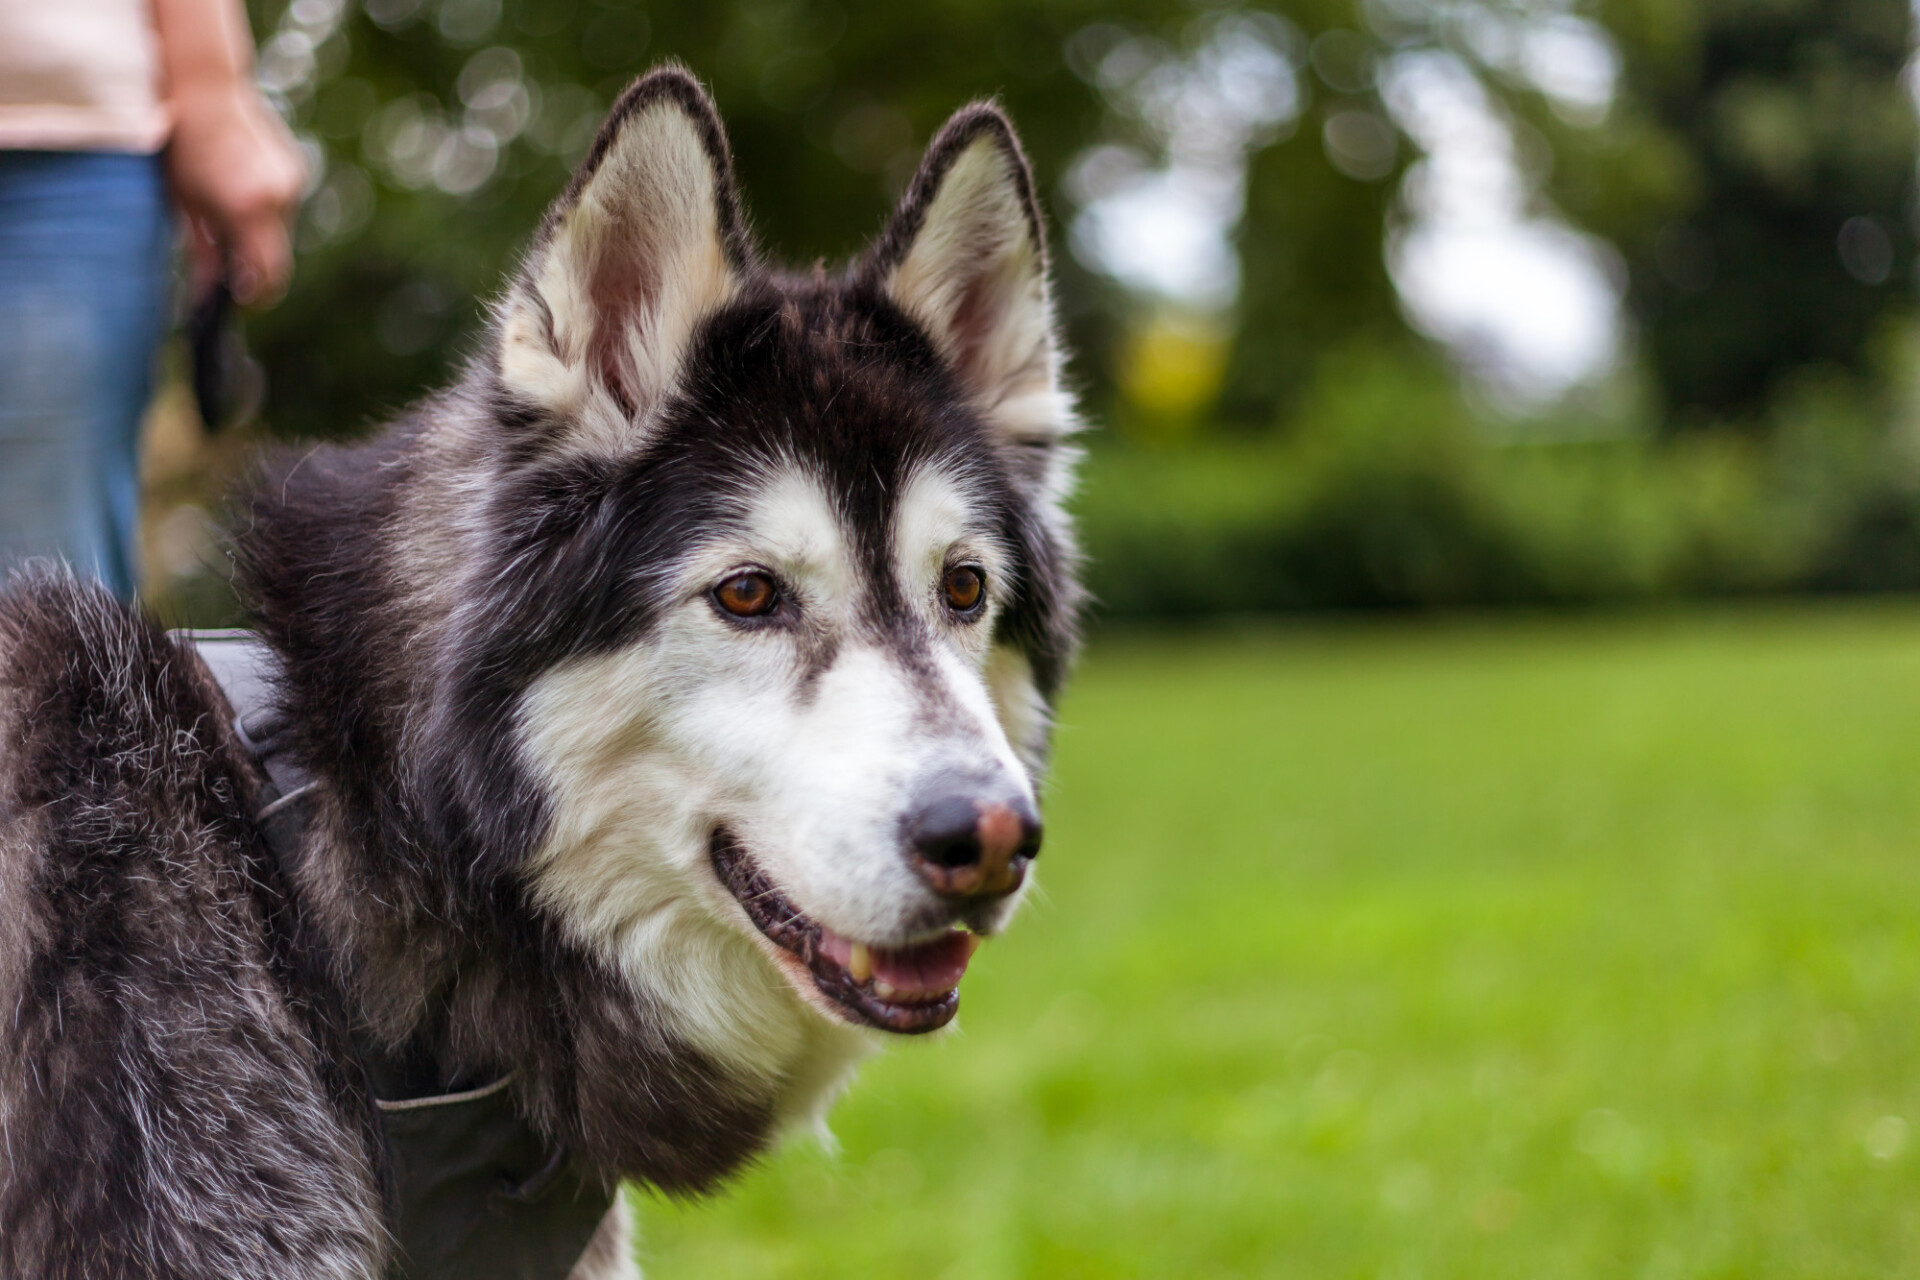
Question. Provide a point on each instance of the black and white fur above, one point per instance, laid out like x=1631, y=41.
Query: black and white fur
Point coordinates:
x=503, y=661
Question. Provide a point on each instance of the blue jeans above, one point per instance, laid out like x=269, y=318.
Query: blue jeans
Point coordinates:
x=85, y=279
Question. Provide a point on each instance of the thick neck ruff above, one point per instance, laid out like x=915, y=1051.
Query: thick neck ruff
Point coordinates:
x=475, y=1192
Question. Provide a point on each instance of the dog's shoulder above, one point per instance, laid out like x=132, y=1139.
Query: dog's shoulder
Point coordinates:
x=166, y=1062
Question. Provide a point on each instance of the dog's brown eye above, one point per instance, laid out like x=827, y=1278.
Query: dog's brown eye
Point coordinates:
x=964, y=586
x=747, y=595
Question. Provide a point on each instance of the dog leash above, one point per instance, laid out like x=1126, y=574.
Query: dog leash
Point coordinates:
x=477, y=1194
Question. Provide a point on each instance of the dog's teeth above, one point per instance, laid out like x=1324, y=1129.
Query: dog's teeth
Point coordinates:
x=881, y=987
x=860, y=964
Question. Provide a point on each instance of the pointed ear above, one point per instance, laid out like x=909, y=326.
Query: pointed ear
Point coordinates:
x=965, y=256
x=646, y=240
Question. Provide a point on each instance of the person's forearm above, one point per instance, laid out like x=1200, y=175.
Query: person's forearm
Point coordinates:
x=205, y=46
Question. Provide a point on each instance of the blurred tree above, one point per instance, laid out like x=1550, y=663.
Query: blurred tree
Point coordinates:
x=1272, y=120
x=1313, y=276
x=1755, y=169
x=1757, y=174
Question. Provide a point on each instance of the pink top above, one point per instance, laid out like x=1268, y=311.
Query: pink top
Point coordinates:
x=80, y=75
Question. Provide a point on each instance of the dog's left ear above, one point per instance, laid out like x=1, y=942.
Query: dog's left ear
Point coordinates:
x=646, y=240
x=965, y=256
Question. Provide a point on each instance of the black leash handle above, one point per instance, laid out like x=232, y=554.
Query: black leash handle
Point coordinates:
x=228, y=384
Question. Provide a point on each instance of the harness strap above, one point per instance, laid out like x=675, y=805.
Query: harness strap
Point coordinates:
x=478, y=1195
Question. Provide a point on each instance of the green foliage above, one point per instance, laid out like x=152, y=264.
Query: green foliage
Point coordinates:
x=1758, y=177
x=1755, y=171
x=1390, y=492
x=1570, y=949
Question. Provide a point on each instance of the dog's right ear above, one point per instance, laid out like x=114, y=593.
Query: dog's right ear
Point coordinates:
x=646, y=240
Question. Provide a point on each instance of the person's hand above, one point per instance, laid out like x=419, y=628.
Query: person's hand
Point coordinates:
x=236, y=174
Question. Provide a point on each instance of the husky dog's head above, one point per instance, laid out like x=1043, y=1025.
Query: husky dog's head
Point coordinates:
x=768, y=574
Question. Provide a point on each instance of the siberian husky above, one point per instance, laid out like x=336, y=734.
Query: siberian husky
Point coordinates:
x=638, y=732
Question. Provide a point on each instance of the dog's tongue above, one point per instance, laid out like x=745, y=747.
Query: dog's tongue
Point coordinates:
x=926, y=968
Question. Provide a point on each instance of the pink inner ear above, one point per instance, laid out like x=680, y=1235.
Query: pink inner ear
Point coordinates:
x=624, y=279
x=981, y=308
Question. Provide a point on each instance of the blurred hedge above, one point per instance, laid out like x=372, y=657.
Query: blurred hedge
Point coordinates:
x=1389, y=491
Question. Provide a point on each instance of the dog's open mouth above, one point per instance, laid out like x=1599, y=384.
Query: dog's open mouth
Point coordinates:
x=908, y=990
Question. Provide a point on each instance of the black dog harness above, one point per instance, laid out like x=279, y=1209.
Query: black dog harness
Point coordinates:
x=478, y=1195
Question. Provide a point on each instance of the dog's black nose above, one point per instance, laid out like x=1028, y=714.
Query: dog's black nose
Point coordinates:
x=970, y=844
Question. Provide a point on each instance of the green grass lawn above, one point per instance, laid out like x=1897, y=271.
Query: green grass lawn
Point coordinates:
x=1549, y=948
